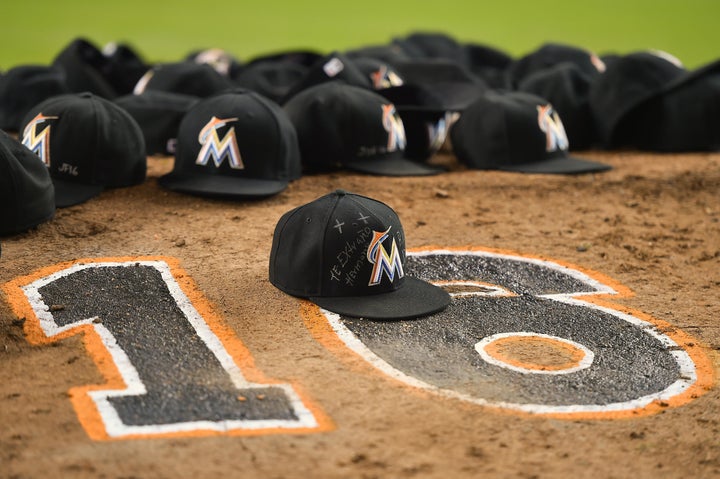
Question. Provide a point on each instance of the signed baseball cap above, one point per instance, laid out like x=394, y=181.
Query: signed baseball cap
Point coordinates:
x=346, y=253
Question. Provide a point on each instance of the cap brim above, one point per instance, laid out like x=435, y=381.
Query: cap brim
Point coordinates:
x=68, y=193
x=392, y=166
x=222, y=186
x=563, y=166
x=414, y=299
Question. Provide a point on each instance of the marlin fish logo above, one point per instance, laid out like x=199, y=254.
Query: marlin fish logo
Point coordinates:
x=39, y=141
x=551, y=125
x=217, y=149
x=381, y=260
x=394, y=126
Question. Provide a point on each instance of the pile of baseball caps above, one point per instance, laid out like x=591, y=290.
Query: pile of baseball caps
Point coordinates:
x=243, y=130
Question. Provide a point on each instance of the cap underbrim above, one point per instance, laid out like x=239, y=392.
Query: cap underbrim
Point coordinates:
x=414, y=299
x=222, y=186
x=68, y=193
x=392, y=166
x=563, y=166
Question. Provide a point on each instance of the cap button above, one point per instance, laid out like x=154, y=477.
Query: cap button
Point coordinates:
x=341, y=192
x=85, y=94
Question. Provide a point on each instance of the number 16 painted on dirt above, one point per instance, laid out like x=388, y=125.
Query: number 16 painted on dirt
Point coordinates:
x=172, y=367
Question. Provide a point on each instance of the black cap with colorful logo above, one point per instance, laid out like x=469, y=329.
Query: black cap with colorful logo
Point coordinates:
x=515, y=131
x=343, y=126
x=567, y=87
x=234, y=145
x=89, y=144
x=346, y=253
x=26, y=190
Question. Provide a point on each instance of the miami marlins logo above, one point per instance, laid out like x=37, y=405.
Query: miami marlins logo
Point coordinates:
x=394, y=126
x=382, y=261
x=213, y=146
x=384, y=78
x=39, y=141
x=551, y=125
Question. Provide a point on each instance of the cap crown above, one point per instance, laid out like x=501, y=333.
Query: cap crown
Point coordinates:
x=86, y=139
x=341, y=244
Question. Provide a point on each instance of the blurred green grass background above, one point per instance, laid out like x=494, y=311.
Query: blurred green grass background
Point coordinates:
x=161, y=30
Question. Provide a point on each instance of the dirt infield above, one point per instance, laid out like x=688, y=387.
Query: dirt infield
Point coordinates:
x=652, y=225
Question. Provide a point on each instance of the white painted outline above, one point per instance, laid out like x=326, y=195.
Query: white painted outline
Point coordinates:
x=687, y=373
x=584, y=363
x=113, y=424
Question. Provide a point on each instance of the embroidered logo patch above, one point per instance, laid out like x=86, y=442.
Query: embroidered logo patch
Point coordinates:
x=382, y=261
x=394, y=126
x=551, y=125
x=36, y=136
x=217, y=149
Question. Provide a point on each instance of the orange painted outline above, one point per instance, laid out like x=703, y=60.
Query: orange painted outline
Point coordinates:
x=322, y=331
x=85, y=407
x=495, y=350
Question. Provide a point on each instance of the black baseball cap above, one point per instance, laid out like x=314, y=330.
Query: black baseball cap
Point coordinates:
x=567, y=87
x=88, y=143
x=86, y=68
x=515, y=131
x=346, y=253
x=678, y=116
x=488, y=63
x=234, y=145
x=158, y=113
x=683, y=116
x=125, y=66
x=627, y=82
x=343, y=126
x=26, y=191
x=23, y=87
x=186, y=78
